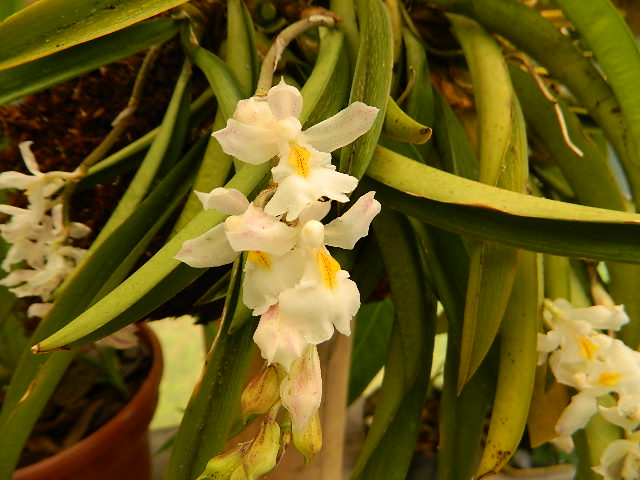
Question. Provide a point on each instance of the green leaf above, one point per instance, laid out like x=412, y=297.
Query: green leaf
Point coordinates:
x=220, y=77
x=393, y=454
x=49, y=26
x=411, y=345
x=371, y=81
x=241, y=57
x=215, y=402
x=9, y=7
x=326, y=89
x=46, y=72
x=370, y=343
x=529, y=31
x=489, y=213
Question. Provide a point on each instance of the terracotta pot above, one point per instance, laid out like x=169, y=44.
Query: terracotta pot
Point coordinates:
x=119, y=450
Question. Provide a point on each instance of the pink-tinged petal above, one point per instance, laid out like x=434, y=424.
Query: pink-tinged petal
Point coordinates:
x=279, y=339
x=301, y=390
x=225, y=200
x=254, y=145
x=210, y=249
x=341, y=129
x=350, y=227
x=255, y=230
x=295, y=193
x=126, y=337
x=284, y=101
x=577, y=413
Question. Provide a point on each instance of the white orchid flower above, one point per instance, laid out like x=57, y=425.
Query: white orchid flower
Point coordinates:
x=626, y=413
x=267, y=126
x=620, y=461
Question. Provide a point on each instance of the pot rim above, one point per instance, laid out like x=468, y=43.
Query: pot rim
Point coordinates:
x=133, y=419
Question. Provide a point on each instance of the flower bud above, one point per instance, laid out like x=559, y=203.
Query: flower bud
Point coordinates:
x=262, y=455
x=309, y=441
x=261, y=392
x=222, y=466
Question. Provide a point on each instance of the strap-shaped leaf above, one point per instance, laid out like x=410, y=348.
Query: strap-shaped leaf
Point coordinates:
x=411, y=345
x=371, y=81
x=529, y=31
x=45, y=72
x=498, y=215
x=49, y=26
x=370, y=343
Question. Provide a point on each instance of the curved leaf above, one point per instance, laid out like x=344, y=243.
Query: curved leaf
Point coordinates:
x=49, y=26
x=46, y=72
x=494, y=214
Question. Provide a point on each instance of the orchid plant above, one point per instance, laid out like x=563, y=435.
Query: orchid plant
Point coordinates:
x=390, y=170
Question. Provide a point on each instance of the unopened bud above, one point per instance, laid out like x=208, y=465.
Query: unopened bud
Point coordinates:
x=261, y=392
x=262, y=455
x=309, y=441
x=222, y=466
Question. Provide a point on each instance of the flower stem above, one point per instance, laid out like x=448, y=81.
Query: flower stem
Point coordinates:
x=283, y=39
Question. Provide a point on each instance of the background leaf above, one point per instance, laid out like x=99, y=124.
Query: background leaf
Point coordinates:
x=49, y=26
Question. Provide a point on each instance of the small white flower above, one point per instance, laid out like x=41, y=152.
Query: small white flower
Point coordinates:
x=620, y=461
x=263, y=127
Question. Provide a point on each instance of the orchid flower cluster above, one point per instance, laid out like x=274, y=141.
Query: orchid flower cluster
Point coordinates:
x=290, y=279
x=38, y=235
x=595, y=364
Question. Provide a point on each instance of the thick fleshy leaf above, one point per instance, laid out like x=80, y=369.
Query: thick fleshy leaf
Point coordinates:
x=495, y=214
x=53, y=69
x=49, y=26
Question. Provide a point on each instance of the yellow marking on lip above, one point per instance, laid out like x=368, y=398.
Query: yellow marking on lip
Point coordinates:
x=299, y=157
x=328, y=267
x=608, y=379
x=261, y=258
x=587, y=349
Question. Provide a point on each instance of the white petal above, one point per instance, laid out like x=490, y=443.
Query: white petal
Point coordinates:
x=284, y=101
x=577, y=414
x=39, y=309
x=79, y=230
x=295, y=193
x=279, y=339
x=254, y=145
x=255, y=230
x=225, y=200
x=620, y=460
x=350, y=227
x=301, y=390
x=210, y=249
x=16, y=180
x=254, y=111
x=266, y=279
x=341, y=129
x=28, y=157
